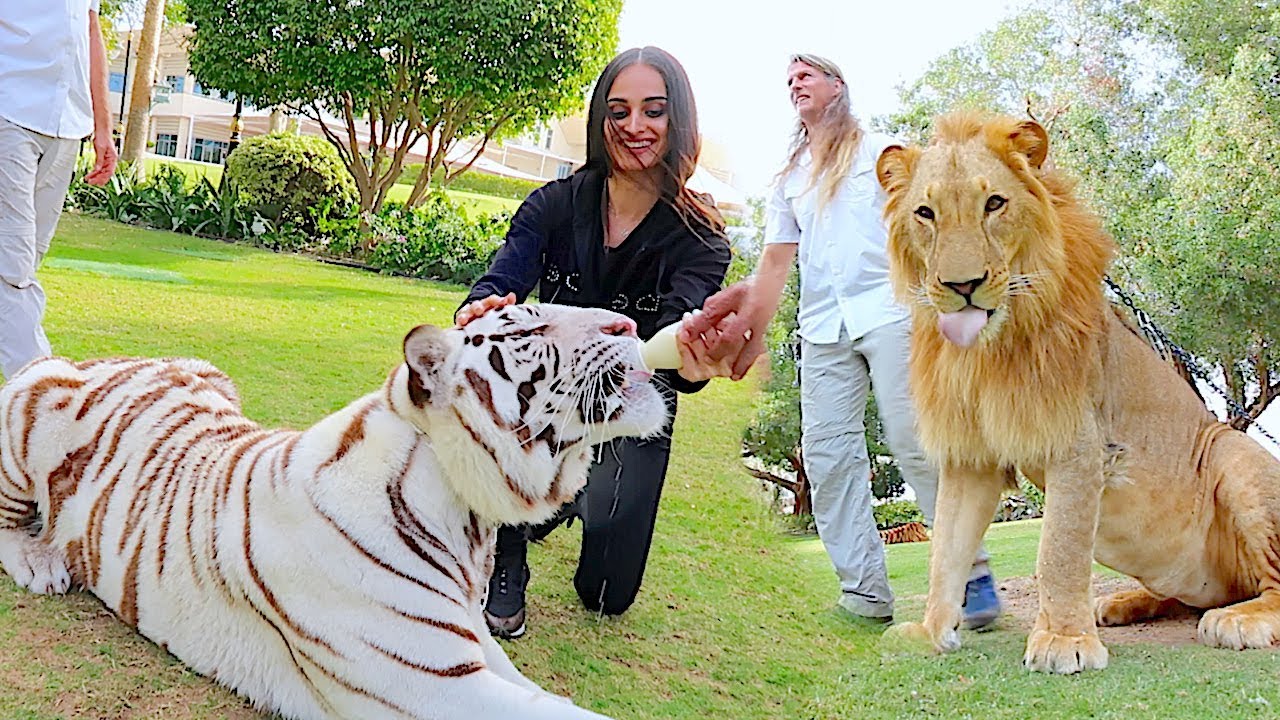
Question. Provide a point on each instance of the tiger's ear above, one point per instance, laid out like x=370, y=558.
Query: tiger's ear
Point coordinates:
x=895, y=166
x=427, y=349
x=1031, y=141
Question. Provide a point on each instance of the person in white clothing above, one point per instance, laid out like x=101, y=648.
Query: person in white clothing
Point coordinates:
x=53, y=93
x=826, y=208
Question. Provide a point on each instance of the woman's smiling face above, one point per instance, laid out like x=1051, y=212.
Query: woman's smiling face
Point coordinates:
x=636, y=125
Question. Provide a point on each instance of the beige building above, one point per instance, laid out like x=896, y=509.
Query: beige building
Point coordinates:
x=190, y=122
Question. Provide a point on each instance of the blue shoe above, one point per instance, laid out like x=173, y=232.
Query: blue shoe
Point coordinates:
x=981, y=603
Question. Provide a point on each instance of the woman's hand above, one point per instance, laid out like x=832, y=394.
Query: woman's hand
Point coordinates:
x=475, y=309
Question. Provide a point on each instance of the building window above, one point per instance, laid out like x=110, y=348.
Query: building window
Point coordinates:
x=203, y=91
x=564, y=170
x=546, y=142
x=115, y=83
x=210, y=151
x=167, y=144
x=175, y=83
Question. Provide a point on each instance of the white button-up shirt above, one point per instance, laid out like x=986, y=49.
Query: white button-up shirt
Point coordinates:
x=844, y=267
x=44, y=66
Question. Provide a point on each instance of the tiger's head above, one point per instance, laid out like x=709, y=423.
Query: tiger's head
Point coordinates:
x=513, y=402
x=982, y=234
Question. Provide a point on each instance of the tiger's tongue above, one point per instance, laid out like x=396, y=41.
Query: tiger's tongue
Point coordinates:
x=962, y=327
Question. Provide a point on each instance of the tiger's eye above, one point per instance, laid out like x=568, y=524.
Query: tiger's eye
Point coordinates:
x=994, y=203
x=924, y=211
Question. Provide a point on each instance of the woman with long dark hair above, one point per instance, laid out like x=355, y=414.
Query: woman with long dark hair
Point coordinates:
x=623, y=233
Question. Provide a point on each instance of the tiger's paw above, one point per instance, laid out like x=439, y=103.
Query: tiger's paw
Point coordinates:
x=1064, y=654
x=33, y=564
x=915, y=637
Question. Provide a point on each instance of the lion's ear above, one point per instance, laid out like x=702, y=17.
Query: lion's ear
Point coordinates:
x=895, y=166
x=1031, y=141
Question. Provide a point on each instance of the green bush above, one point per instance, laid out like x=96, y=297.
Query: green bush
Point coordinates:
x=166, y=200
x=436, y=240
x=896, y=512
x=283, y=176
x=475, y=182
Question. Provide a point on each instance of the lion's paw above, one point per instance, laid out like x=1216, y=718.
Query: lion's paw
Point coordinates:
x=915, y=637
x=1121, y=608
x=33, y=564
x=1064, y=654
x=1239, y=629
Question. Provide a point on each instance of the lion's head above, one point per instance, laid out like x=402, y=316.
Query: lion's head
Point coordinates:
x=982, y=233
x=1003, y=269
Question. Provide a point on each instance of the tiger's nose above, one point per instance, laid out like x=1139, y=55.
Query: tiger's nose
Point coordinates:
x=965, y=288
x=622, y=326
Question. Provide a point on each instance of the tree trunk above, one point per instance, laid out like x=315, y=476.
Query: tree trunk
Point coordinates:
x=804, y=498
x=144, y=77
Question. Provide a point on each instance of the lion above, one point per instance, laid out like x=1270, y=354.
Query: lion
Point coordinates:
x=1019, y=362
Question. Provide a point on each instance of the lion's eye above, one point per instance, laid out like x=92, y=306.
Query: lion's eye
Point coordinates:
x=994, y=203
x=924, y=211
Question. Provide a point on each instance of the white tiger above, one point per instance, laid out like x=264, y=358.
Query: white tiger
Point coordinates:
x=336, y=572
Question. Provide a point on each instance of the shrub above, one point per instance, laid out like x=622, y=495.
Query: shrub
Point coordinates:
x=165, y=200
x=896, y=512
x=476, y=182
x=435, y=240
x=282, y=176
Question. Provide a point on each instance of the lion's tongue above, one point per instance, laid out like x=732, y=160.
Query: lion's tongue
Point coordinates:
x=962, y=327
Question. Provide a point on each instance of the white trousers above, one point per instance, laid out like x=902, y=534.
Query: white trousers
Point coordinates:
x=834, y=381
x=35, y=171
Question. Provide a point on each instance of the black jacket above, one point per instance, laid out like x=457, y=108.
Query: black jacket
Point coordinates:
x=664, y=269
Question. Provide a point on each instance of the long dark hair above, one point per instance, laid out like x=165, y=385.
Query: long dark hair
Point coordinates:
x=684, y=144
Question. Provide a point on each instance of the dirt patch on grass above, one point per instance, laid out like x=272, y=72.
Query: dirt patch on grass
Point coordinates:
x=1021, y=597
x=67, y=656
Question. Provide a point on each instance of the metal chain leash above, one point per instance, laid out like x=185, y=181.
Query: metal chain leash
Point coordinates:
x=1168, y=348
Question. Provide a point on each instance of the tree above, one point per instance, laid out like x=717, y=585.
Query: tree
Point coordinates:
x=139, y=118
x=1213, y=264
x=396, y=73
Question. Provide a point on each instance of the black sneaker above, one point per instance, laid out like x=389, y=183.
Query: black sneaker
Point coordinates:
x=504, y=607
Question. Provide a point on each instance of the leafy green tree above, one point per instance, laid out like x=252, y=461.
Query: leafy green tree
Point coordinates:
x=1213, y=263
x=396, y=73
x=1206, y=33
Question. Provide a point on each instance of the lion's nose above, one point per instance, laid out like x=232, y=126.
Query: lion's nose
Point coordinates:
x=965, y=288
x=621, y=326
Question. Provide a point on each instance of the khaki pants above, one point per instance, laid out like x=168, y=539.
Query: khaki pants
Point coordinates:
x=834, y=381
x=35, y=171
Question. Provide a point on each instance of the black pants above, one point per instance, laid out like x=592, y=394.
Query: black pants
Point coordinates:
x=618, y=508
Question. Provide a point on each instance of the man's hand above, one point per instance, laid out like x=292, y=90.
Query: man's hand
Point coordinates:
x=728, y=335
x=103, y=149
x=105, y=164
x=475, y=309
x=695, y=361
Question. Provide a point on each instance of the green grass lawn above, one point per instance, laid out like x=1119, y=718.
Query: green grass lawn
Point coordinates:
x=736, y=620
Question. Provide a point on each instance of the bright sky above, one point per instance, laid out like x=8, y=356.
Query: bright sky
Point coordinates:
x=736, y=55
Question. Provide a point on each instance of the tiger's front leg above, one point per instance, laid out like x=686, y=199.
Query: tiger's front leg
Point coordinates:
x=33, y=563
x=498, y=662
x=967, y=500
x=1065, y=637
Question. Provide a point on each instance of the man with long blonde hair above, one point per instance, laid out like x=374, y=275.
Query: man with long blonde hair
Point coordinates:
x=826, y=209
